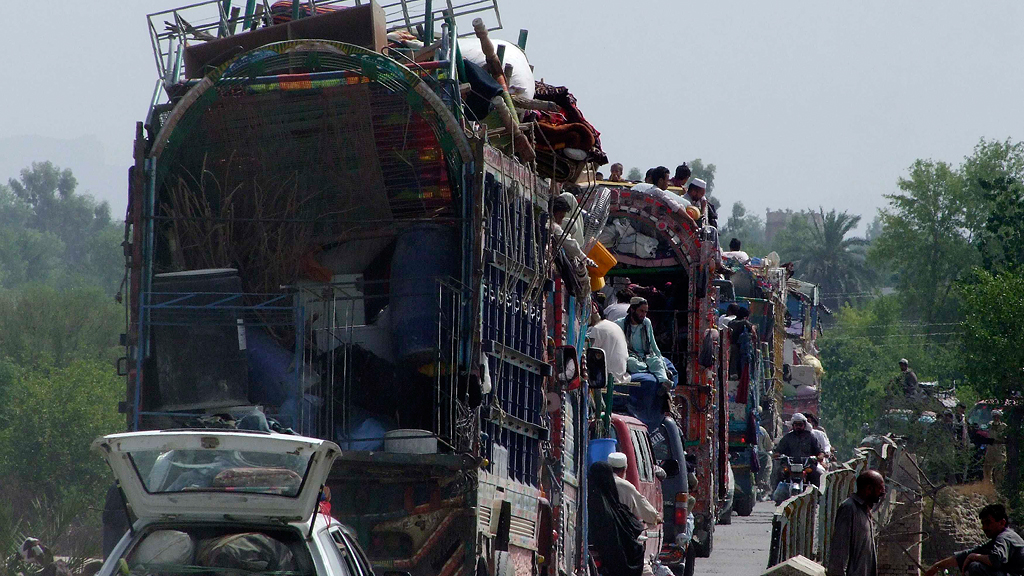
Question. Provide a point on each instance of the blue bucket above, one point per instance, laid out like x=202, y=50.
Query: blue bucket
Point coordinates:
x=599, y=450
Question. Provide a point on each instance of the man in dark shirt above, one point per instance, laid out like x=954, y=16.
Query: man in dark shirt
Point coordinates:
x=910, y=388
x=799, y=442
x=1002, y=555
x=853, y=551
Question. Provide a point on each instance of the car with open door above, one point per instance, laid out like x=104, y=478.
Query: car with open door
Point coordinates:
x=227, y=502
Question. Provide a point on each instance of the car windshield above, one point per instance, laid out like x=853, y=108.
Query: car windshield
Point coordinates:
x=163, y=471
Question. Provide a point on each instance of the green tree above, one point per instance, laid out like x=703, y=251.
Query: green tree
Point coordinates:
x=833, y=259
x=874, y=229
x=993, y=306
x=635, y=175
x=791, y=241
x=48, y=418
x=44, y=201
x=705, y=172
x=1001, y=239
x=749, y=228
x=43, y=326
x=927, y=237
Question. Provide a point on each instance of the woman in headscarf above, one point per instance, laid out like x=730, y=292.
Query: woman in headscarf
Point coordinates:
x=612, y=527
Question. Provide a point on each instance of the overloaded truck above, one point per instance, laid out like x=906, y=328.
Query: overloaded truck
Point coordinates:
x=670, y=256
x=322, y=239
x=755, y=383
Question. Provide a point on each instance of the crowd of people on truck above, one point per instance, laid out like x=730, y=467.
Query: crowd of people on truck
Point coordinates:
x=621, y=326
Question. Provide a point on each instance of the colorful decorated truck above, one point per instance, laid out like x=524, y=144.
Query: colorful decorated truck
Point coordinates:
x=671, y=257
x=321, y=238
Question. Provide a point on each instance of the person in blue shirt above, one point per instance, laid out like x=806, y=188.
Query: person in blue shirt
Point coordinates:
x=644, y=355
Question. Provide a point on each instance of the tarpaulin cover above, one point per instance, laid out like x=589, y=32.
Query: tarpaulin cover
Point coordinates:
x=251, y=552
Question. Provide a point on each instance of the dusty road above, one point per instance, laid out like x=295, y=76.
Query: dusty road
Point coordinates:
x=740, y=549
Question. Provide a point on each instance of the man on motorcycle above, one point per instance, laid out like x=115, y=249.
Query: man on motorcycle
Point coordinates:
x=799, y=442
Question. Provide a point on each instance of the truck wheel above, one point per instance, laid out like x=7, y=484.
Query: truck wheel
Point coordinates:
x=726, y=518
x=703, y=549
x=691, y=560
x=744, y=503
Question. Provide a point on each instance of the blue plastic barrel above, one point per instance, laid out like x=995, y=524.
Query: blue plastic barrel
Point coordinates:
x=424, y=254
x=599, y=449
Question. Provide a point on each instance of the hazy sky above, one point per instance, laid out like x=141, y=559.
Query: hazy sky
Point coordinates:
x=799, y=104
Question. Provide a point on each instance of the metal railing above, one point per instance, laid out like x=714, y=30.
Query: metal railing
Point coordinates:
x=802, y=525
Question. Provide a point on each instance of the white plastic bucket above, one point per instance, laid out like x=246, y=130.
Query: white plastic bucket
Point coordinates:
x=410, y=441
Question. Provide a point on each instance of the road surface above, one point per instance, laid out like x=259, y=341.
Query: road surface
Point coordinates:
x=740, y=549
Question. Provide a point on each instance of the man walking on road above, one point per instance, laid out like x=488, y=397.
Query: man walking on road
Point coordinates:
x=1002, y=555
x=853, y=551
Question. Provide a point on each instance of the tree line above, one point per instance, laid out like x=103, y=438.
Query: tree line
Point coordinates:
x=938, y=278
x=61, y=265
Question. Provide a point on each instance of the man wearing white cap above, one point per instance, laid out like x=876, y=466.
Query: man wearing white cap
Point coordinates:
x=695, y=194
x=629, y=495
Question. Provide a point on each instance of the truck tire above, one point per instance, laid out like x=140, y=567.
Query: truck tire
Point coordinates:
x=704, y=549
x=744, y=503
x=691, y=560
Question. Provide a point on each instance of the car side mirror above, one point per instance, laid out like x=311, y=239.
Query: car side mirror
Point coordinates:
x=670, y=466
x=597, y=369
x=567, y=368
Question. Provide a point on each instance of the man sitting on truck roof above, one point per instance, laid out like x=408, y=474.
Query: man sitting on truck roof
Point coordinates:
x=644, y=355
x=695, y=193
x=682, y=175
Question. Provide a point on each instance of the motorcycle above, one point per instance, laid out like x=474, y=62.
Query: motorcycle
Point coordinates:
x=794, y=477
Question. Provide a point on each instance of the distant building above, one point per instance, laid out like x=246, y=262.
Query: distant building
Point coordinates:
x=774, y=221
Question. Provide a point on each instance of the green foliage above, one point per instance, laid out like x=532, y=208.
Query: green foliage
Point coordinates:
x=991, y=331
x=48, y=419
x=791, y=241
x=43, y=326
x=705, y=172
x=1001, y=239
x=49, y=233
x=749, y=228
x=833, y=260
x=927, y=237
x=993, y=356
x=860, y=356
x=635, y=175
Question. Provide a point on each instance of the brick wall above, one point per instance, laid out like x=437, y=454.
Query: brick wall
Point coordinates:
x=899, y=541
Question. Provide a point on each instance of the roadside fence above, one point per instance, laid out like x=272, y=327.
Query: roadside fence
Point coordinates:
x=802, y=525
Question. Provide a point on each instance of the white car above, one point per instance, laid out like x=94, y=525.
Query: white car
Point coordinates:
x=226, y=502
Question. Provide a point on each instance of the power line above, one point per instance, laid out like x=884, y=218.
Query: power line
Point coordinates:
x=891, y=336
x=854, y=327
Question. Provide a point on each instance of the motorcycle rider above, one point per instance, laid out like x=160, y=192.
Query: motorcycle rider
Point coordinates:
x=799, y=442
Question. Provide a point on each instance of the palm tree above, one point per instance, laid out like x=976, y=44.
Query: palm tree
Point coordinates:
x=834, y=262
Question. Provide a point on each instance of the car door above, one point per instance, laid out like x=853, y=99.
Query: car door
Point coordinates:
x=650, y=485
x=337, y=557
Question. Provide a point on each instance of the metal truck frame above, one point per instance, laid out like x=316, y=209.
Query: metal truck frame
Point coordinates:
x=319, y=149
x=699, y=396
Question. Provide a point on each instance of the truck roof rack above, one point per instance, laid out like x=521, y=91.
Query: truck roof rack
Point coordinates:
x=171, y=30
